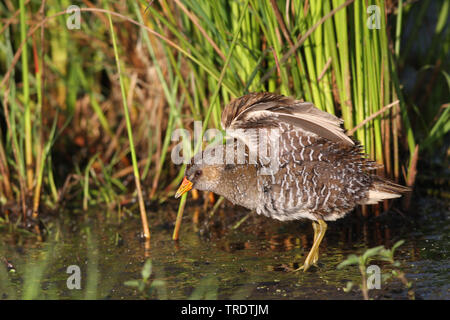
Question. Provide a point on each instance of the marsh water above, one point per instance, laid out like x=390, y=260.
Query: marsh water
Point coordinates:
x=218, y=258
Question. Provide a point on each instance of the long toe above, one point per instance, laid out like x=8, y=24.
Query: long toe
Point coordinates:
x=305, y=267
x=309, y=261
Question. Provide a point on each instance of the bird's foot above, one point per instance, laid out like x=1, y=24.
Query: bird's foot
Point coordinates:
x=305, y=267
x=291, y=267
x=313, y=256
x=311, y=260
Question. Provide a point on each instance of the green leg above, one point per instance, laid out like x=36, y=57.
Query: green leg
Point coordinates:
x=313, y=256
x=316, y=228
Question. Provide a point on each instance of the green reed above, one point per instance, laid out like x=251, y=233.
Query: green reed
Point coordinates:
x=180, y=61
x=137, y=177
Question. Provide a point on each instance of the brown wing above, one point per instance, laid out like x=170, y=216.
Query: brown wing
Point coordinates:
x=267, y=110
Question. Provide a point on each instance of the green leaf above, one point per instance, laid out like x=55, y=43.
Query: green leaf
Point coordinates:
x=132, y=283
x=351, y=259
x=386, y=255
x=158, y=284
x=396, y=245
x=348, y=287
x=147, y=269
x=371, y=252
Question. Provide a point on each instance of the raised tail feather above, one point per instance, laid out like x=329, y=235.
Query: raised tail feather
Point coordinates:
x=382, y=190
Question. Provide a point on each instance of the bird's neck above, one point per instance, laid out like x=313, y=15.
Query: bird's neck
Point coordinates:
x=239, y=185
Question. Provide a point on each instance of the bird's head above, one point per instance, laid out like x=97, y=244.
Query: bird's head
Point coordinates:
x=201, y=177
x=204, y=170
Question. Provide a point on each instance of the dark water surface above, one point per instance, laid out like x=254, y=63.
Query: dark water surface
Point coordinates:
x=214, y=261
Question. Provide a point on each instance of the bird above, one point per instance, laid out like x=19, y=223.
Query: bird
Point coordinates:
x=321, y=173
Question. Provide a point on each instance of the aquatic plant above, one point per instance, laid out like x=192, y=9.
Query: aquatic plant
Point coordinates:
x=146, y=286
x=379, y=253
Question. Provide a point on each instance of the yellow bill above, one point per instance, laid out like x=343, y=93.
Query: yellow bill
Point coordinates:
x=185, y=186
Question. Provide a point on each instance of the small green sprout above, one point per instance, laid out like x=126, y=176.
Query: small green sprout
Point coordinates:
x=145, y=285
x=379, y=253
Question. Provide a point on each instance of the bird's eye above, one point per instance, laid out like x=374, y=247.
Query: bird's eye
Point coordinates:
x=198, y=173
